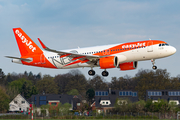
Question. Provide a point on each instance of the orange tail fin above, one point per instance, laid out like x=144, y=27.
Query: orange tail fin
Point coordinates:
x=25, y=43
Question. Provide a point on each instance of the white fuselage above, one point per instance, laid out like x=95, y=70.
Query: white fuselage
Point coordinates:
x=140, y=54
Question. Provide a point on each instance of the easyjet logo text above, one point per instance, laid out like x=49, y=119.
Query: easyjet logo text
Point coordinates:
x=134, y=45
x=25, y=41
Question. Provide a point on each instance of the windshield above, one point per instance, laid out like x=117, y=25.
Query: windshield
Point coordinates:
x=163, y=44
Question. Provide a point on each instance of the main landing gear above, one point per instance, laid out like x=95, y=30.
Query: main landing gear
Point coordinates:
x=153, y=62
x=105, y=73
x=92, y=72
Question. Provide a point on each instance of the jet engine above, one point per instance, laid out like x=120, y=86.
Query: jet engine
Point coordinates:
x=128, y=66
x=108, y=62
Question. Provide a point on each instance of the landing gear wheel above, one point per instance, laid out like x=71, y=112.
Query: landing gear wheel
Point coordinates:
x=153, y=62
x=154, y=67
x=91, y=72
x=105, y=73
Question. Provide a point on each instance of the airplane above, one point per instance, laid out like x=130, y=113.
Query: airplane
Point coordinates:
x=124, y=56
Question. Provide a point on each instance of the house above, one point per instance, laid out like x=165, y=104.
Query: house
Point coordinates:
x=105, y=100
x=169, y=95
x=55, y=99
x=18, y=104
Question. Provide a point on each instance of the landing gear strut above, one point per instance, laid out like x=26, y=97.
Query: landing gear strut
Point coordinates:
x=91, y=72
x=105, y=73
x=153, y=62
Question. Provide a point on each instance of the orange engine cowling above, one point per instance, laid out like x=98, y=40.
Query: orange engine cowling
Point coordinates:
x=128, y=65
x=108, y=62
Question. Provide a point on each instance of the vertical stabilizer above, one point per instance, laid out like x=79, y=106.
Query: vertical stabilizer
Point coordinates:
x=25, y=43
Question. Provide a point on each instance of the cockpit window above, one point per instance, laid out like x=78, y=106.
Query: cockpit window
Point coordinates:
x=163, y=44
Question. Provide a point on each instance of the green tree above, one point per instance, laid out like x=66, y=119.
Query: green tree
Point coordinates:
x=8, y=78
x=34, y=91
x=4, y=100
x=23, y=86
x=159, y=106
x=62, y=81
x=123, y=105
x=77, y=81
x=2, y=77
x=65, y=108
x=47, y=86
x=73, y=92
x=90, y=93
x=97, y=83
x=148, y=79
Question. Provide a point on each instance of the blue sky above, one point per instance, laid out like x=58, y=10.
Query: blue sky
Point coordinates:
x=66, y=24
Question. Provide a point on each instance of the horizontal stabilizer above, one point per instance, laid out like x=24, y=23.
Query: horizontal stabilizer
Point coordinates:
x=24, y=59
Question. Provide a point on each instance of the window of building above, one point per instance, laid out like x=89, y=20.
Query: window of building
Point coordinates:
x=97, y=93
x=174, y=93
x=42, y=100
x=53, y=103
x=127, y=94
x=154, y=93
x=134, y=94
x=15, y=102
x=22, y=102
x=78, y=104
x=101, y=93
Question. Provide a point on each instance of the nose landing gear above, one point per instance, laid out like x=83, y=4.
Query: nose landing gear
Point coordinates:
x=153, y=62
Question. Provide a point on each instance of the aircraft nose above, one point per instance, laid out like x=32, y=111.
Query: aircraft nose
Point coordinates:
x=173, y=50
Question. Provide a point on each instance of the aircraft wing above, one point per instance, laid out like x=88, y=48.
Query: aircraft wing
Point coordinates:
x=75, y=56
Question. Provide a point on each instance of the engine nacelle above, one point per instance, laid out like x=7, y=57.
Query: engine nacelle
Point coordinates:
x=108, y=62
x=128, y=66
